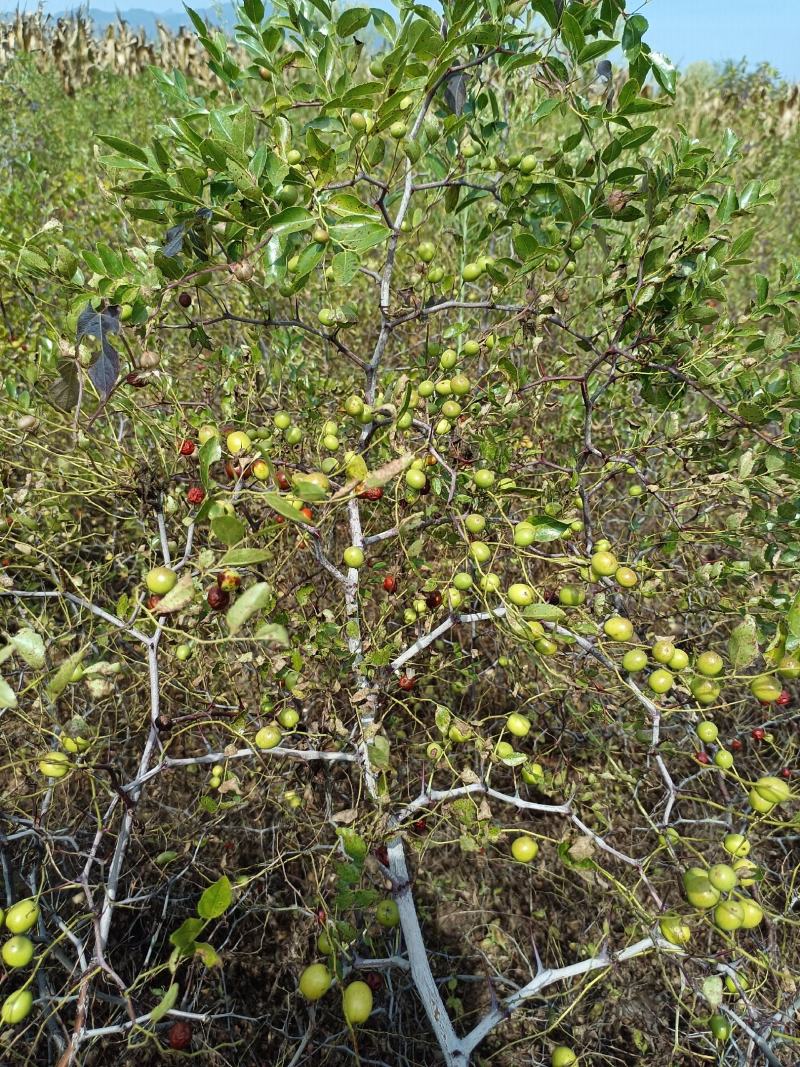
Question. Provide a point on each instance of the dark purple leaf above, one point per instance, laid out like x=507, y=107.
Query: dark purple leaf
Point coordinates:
x=103, y=373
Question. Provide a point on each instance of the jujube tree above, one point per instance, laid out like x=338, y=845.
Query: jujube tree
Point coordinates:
x=419, y=478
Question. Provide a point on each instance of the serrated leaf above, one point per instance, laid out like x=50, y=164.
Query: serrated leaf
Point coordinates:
x=167, y=1003
x=245, y=557
x=274, y=633
x=178, y=598
x=253, y=599
x=8, y=698
x=216, y=899
x=30, y=646
x=228, y=529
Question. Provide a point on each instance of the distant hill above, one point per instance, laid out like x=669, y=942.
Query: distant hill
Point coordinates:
x=171, y=17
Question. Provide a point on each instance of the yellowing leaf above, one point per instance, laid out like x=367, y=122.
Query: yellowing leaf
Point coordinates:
x=274, y=633
x=388, y=472
x=743, y=643
x=30, y=646
x=179, y=597
x=255, y=598
x=355, y=466
x=8, y=698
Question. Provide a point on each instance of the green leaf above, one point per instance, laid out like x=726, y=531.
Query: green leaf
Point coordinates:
x=516, y=760
x=347, y=204
x=273, y=633
x=63, y=676
x=544, y=612
x=743, y=643
x=595, y=49
x=254, y=9
x=253, y=599
x=526, y=246
x=727, y=205
x=309, y=258
x=8, y=698
x=125, y=148
x=351, y=21
x=228, y=529
x=290, y=220
x=167, y=1002
x=712, y=990
x=345, y=267
x=356, y=234
x=356, y=466
x=165, y=858
x=793, y=624
x=209, y=453
x=663, y=72
x=216, y=899
x=547, y=528
x=308, y=492
x=572, y=34
x=245, y=557
x=283, y=507
x=30, y=646
x=547, y=9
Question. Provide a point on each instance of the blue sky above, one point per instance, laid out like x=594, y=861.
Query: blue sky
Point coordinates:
x=686, y=30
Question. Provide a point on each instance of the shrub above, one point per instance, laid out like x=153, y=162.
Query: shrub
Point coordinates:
x=410, y=517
